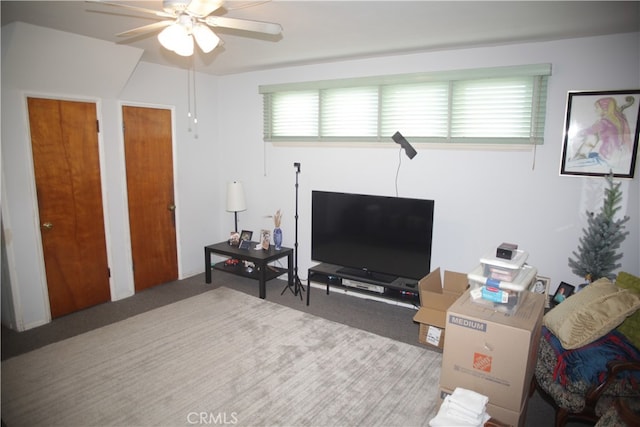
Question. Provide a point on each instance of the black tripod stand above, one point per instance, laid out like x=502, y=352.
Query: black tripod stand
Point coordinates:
x=296, y=288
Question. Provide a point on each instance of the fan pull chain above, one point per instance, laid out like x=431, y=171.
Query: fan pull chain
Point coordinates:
x=189, y=100
x=195, y=101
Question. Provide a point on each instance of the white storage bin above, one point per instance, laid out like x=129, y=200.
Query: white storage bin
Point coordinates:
x=503, y=269
x=500, y=295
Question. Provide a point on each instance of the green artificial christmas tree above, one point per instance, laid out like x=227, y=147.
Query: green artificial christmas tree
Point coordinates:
x=597, y=254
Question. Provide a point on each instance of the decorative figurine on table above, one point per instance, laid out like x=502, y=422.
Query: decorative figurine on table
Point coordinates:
x=277, y=232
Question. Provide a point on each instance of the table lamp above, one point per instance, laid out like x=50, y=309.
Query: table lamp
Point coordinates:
x=235, y=200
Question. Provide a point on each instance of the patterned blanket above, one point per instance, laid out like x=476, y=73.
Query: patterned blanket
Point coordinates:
x=589, y=363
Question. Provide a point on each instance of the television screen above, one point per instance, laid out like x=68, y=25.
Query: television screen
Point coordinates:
x=379, y=237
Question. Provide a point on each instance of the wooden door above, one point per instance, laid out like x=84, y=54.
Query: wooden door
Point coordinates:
x=64, y=140
x=149, y=163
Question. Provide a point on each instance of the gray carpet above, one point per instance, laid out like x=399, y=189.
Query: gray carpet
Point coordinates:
x=228, y=357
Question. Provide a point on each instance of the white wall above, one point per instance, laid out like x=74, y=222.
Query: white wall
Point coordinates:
x=482, y=198
x=112, y=78
x=538, y=209
x=53, y=64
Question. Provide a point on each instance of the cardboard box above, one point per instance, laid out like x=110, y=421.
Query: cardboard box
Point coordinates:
x=504, y=416
x=435, y=298
x=491, y=352
x=507, y=416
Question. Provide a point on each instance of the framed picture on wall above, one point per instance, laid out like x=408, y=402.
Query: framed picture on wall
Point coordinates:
x=601, y=133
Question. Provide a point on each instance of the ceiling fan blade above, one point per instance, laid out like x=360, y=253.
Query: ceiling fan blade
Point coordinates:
x=202, y=8
x=159, y=13
x=244, y=24
x=145, y=29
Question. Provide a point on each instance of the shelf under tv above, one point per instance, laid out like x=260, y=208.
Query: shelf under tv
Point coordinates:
x=395, y=288
x=366, y=275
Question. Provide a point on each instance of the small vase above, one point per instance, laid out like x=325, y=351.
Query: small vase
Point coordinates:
x=277, y=238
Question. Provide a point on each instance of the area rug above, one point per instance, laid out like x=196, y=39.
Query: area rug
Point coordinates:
x=222, y=358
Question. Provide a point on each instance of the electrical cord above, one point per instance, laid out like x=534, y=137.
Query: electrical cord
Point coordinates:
x=398, y=170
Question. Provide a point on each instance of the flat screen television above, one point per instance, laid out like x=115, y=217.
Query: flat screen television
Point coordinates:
x=376, y=237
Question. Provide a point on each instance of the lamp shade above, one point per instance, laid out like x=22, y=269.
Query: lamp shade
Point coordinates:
x=177, y=37
x=235, y=197
x=185, y=46
x=171, y=37
x=206, y=38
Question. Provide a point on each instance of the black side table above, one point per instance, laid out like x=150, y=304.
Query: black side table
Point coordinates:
x=259, y=257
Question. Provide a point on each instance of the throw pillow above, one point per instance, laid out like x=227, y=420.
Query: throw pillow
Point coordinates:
x=591, y=313
x=630, y=328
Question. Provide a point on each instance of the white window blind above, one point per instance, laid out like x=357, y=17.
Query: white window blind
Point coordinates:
x=417, y=109
x=349, y=112
x=504, y=105
x=293, y=114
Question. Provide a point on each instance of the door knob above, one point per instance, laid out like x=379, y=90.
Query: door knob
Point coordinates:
x=47, y=225
x=172, y=207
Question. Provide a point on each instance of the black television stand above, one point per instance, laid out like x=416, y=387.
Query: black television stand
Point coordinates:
x=393, y=288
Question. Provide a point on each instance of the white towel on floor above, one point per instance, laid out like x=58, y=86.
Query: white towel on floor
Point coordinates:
x=470, y=400
x=463, y=408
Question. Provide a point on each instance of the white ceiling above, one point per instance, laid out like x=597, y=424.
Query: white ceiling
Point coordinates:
x=324, y=31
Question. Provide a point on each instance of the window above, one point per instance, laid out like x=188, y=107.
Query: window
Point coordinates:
x=296, y=113
x=490, y=106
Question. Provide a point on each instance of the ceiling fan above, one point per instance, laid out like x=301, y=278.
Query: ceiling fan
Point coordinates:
x=187, y=20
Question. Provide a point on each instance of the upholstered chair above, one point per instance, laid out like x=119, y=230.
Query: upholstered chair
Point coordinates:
x=587, y=368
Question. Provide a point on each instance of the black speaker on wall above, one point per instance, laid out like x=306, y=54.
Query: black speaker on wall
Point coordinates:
x=399, y=139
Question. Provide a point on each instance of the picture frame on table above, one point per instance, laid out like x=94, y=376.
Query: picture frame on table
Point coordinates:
x=245, y=244
x=601, y=133
x=563, y=292
x=265, y=239
x=246, y=235
x=234, y=238
x=541, y=286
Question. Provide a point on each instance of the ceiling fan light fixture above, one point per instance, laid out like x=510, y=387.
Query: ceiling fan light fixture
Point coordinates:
x=177, y=38
x=186, y=20
x=185, y=46
x=206, y=39
x=202, y=8
x=172, y=6
x=171, y=36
